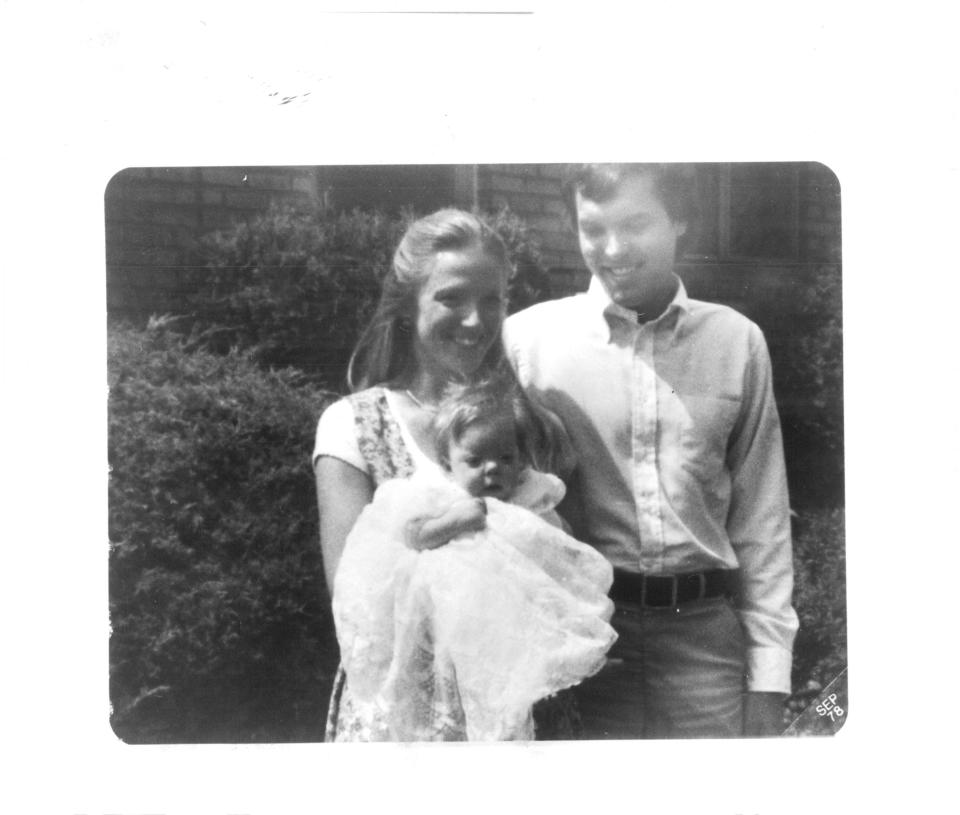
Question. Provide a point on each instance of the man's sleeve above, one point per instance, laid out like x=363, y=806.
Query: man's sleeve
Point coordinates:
x=759, y=528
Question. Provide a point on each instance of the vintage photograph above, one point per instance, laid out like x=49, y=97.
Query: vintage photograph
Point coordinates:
x=475, y=452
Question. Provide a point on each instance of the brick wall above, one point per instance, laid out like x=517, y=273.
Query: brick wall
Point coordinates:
x=154, y=216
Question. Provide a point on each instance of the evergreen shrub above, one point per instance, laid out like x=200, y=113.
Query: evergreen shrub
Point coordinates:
x=820, y=596
x=292, y=286
x=221, y=627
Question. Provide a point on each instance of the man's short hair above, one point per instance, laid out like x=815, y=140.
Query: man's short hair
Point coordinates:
x=674, y=183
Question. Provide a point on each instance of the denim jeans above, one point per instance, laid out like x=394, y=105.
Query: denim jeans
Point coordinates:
x=673, y=673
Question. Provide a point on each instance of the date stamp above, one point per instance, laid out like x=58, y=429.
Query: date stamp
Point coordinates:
x=819, y=711
x=830, y=707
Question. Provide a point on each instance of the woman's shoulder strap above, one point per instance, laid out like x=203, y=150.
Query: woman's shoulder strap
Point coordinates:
x=379, y=437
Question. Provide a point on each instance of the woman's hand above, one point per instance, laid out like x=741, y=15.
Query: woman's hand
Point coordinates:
x=460, y=518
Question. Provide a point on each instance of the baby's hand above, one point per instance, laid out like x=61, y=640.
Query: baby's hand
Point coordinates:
x=461, y=517
x=468, y=515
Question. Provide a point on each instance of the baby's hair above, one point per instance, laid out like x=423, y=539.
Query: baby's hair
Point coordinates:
x=468, y=404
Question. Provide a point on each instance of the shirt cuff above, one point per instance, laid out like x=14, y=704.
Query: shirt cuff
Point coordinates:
x=768, y=669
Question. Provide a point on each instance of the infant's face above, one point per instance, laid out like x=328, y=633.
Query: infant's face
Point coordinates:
x=485, y=461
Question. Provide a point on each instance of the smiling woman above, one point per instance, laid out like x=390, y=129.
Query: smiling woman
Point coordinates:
x=438, y=321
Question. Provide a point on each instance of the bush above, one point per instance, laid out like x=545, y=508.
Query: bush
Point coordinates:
x=295, y=287
x=221, y=628
x=808, y=367
x=292, y=286
x=819, y=596
x=531, y=281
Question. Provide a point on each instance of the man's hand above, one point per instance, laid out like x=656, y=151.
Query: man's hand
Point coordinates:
x=763, y=713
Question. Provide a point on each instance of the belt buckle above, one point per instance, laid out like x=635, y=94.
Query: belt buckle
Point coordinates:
x=674, y=591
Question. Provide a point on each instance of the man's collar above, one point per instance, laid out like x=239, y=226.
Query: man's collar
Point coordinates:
x=604, y=306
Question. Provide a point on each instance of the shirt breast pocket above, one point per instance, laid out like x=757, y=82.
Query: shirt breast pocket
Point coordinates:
x=706, y=424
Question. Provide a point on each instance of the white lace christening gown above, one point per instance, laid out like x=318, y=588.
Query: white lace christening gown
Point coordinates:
x=460, y=641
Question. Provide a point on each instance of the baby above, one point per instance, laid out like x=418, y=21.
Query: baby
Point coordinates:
x=480, y=432
x=459, y=600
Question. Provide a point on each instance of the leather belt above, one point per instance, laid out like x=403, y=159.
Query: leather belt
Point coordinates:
x=670, y=591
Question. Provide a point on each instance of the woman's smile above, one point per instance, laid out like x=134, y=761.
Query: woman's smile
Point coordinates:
x=460, y=309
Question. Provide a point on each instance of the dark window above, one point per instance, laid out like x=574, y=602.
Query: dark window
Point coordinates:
x=747, y=212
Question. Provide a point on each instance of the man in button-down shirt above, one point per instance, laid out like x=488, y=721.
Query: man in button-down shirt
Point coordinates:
x=670, y=407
